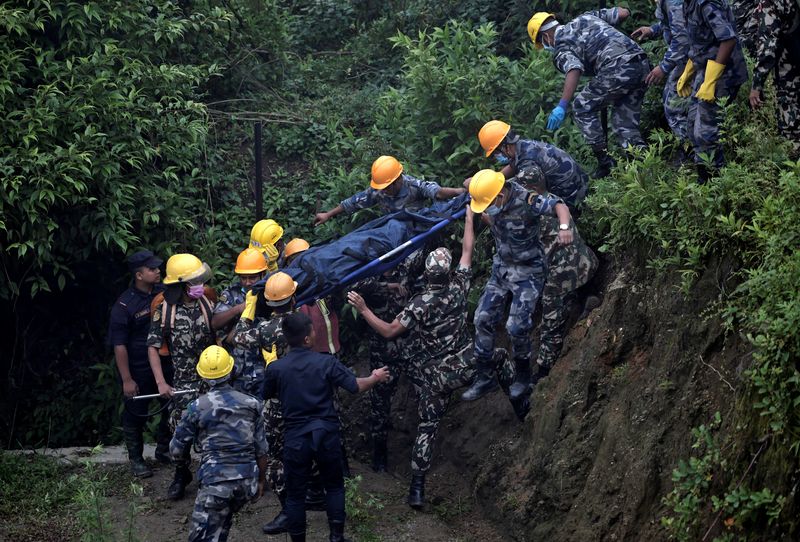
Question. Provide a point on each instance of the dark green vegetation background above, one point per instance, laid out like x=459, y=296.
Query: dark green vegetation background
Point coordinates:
x=129, y=124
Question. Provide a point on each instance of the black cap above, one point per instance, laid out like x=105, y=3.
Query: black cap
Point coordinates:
x=143, y=258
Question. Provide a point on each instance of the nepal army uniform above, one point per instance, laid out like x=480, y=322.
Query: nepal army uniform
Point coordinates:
x=229, y=430
x=519, y=268
x=671, y=26
x=778, y=51
x=618, y=66
x=437, y=318
x=745, y=14
x=250, y=367
x=411, y=196
x=265, y=333
x=708, y=23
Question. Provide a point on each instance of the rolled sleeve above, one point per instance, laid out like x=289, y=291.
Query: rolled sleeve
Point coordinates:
x=721, y=27
x=341, y=376
x=544, y=204
x=356, y=202
x=427, y=189
x=566, y=61
x=155, y=337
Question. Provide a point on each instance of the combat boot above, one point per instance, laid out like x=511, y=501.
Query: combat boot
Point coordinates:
x=604, y=161
x=337, y=532
x=183, y=477
x=416, y=493
x=522, y=379
x=163, y=437
x=280, y=523
x=521, y=406
x=484, y=383
x=379, y=455
x=134, y=442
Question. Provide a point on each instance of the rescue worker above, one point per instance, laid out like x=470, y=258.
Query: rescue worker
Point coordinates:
x=543, y=167
x=443, y=362
x=257, y=332
x=746, y=17
x=590, y=45
x=226, y=425
x=391, y=190
x=181, y=326
x=715, y=71
x=304, y=382
x=778, y=51
x=127, y=333
x=519, y=270
x=249, y=367
x=671, y=26
x=266, y=237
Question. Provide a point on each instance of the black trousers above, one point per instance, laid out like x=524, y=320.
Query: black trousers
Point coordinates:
x=134, y=415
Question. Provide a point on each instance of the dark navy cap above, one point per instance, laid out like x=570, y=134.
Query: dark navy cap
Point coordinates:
x=143, y=258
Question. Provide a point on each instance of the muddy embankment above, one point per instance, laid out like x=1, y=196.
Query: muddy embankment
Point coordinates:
x=593, y=459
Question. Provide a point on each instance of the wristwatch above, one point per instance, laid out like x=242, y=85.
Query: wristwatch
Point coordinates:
x=563, y=226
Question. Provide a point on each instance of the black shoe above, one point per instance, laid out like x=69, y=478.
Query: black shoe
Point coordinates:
x=522, y=380
x=416, y=493
x=315, y=499
x=380, y=456
x=280, y=524
x=140, y=469
x=337, y=532
x=134, y=442
x=604, y=162
x=521, y=406
x=162, y=454
x=177, y=489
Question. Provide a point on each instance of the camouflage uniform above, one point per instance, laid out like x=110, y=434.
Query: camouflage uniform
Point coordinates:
x=747, y=22
x=618, y=66
x=563, y=175
x=227, y=426
x=250, y=367
x=187, y=339
x=518, y=268
x=265, y=333
x=438, y=319
x=672, y=26
x=710, y=22
x=412, y=196
x=778, y=51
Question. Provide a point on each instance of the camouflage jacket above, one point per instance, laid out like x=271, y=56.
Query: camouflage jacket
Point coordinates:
x=229, y=430
x=250, y=367
x=709, y=22
x=438, y=317
x=672, y=26
x=777, y=18
x=412, y=196
x=591, y=44
x=563, y=176
x=186, y=340
x=263, y=333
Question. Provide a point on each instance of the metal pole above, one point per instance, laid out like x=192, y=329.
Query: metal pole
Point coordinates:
x=259, y=180
x=154, y=395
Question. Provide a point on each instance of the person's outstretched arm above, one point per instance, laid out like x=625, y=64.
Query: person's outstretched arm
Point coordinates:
x=384, y=329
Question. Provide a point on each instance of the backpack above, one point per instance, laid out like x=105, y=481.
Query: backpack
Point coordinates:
x=168, y=315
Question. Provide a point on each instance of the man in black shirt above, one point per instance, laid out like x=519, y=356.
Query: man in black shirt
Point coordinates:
x=304, y=382
x=127, y=333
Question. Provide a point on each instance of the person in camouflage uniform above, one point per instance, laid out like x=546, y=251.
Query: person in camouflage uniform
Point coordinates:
x=182, y=323
x=437, y=318
x=672, y=26
x=590, y=45
x=715, y=70
x=255, y=332
x=227, y=427
x=390, y=190
x=778, y=51
x=745, y=14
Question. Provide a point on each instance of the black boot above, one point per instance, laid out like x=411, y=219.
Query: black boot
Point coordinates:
x=521, y=406
x=379, y=455
x=416, y=493
x=163, y=436
x=280, y=523
x=590, y=304
x=183, y=477
x=315, y=495
x=134, y=442
x=604, y=162
x=522, y=379
x=484, y=383
x=337, y=532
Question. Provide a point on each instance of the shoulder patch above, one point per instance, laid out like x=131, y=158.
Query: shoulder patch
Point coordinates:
x=532, y=198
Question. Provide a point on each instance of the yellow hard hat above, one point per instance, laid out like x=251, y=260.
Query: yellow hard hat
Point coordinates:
x=535, y=24
x=186, y=268
x=215, y=362
x=484, y=187
x=265, y=232
x=385, y=170
x=295, y=246
x=279, y=288
x=250, y=262
x=492, y=134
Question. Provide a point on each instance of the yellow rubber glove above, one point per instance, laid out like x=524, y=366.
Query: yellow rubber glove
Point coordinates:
x=707, y=91
x=269, y=355
x=684, y=86
x=271, y=255
x=249, y=312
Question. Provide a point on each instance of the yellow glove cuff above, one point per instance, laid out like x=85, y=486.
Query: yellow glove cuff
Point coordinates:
x=249, y=312
x=713, y=71
x=684, y=86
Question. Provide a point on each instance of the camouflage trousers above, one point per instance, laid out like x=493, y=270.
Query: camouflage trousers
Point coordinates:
x=676, y=109
x=569, y=267
x=215, y=506
x=384, y=353
x=273, y=420
x=524, y=293
x=622, y=88
x=438, y=379
x=704, y=118
x=787, y=90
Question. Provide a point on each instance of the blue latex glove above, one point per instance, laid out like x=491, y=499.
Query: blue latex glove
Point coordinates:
x=556, y=118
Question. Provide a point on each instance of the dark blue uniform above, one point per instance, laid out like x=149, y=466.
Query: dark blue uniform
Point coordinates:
x=304, y=382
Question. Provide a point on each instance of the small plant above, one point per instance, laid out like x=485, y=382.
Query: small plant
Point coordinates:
x=362, y=509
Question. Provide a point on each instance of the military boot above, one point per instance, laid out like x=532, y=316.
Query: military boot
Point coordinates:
x=337, y=532
x=522, y=379
x=134, y=442
x=163, y=437
x=379, y=455
x=484, y=383
x=280, y=523
x=521, y=406
x=604, y=161
x=183, y=477
x=416, y=492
